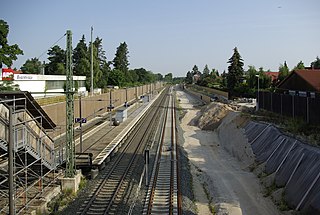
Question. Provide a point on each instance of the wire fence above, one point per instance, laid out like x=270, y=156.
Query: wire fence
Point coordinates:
x=306, y=108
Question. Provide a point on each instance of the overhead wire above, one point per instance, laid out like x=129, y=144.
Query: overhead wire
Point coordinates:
x=52, y=45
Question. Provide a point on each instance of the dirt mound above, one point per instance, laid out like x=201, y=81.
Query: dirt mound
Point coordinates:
x=212, y=115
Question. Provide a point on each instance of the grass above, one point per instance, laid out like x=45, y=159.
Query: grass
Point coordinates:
x=270, y=189
x=64, y=198
x=295, y=126
x=211, y=207
x=61, y=201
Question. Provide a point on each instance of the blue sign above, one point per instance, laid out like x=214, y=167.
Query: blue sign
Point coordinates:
x=77, y=120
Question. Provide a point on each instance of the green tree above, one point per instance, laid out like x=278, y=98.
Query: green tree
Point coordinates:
x=235, y=70
x=80, y=57
x=116, y=78
x=300, y=65
x=224, y=79
x=206, y=70
x=168, y=77
x=189, y=78
x=32, y=66
x=144, y=76
x=265, y=81
x=101, y=68
x=316, y=64
x=121, y=61
x=283, y=71
x=251, y=77
x=7, y=53
x=159, y=77
x=57, y=61
x=195, y=70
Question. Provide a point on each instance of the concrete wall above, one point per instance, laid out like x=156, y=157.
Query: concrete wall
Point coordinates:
x=93, y=106
x=204, y=98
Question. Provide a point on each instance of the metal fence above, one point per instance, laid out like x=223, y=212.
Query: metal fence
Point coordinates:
x=305, y=108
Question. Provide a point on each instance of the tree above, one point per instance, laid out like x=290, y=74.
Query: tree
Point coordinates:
x=168, y=77
x=120, y=61
x=144, y=76
x=189, y=78
x=283, y=71
x=101, y=67
x=251, y=77
x=195, y=70
x=316, y=64
x=80, y=58
x=159, y=77
x=116, y=78
x=300, y=65
x=206, y=70
x=235, y=70
x=57, y=58
x=7, y=53
x=32, y=66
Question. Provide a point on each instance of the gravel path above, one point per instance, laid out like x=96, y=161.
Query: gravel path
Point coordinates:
x=234, y=190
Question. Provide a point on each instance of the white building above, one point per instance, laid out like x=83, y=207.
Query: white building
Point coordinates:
x=47, y=85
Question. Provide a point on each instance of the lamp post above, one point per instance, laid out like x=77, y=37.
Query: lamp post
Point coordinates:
x=80, y=116
x=126, y=103
x=258, y=98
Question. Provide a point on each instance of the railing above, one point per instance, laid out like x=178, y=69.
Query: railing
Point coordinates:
x=29, y=136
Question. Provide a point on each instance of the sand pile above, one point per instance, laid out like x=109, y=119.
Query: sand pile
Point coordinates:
x=212, y=116
x=227, y=124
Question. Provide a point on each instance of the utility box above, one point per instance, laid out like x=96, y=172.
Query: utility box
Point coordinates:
x=121, y=114
x=145, y=99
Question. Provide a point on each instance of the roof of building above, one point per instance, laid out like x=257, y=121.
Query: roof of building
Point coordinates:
x=273, y=75
x=23, y=99
x=312, y=77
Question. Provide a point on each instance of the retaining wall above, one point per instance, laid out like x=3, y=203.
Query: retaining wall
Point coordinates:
x=295, y=164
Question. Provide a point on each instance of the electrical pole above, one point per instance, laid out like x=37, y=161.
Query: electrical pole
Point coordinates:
x=91, y=62
x=70, y=150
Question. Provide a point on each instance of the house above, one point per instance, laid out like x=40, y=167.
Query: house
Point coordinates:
x=273, y=75
x=301, y=81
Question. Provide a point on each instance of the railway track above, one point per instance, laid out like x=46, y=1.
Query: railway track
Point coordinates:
x=163, y=196
x=113, y=181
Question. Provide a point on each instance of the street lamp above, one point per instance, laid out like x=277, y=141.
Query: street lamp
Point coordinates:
x=258, y=99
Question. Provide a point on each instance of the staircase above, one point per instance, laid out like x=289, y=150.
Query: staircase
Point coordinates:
x=28, y=137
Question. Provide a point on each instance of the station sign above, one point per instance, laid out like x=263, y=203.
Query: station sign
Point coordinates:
x=7, y=74
x=82, y=120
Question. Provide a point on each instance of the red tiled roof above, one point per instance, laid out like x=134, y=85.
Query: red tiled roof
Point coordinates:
x=273, y=75
x=311, y=76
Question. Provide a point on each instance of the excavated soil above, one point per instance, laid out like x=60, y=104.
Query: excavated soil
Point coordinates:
x=221, y=156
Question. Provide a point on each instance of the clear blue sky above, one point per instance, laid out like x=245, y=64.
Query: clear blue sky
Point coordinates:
x=172, y=36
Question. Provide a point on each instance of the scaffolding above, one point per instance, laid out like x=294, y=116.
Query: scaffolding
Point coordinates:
x=23, y=131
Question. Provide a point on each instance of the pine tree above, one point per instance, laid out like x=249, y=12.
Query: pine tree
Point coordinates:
x=81, y=58
x=235, y=70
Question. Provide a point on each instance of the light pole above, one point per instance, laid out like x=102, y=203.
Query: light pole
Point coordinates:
x=126, y=103
x=258, y=98
x=91, y=65
x=80, y=116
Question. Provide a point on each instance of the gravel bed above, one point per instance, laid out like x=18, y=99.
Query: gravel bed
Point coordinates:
x=186, y=182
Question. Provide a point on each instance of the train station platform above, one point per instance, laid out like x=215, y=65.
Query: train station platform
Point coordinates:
x=104, y=139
